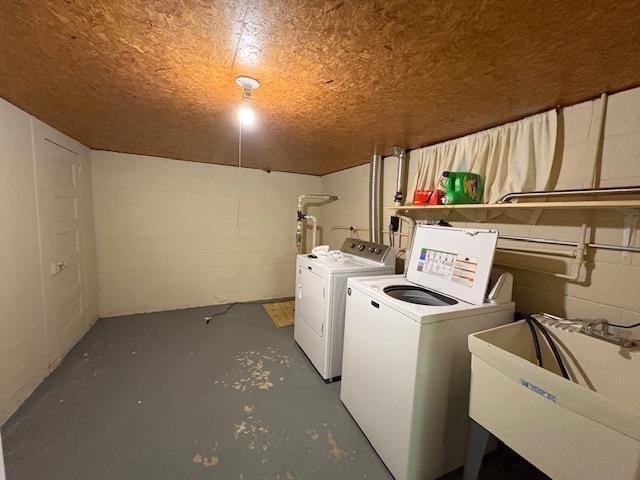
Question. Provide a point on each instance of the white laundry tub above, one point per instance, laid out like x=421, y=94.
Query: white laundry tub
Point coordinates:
x=588, y=428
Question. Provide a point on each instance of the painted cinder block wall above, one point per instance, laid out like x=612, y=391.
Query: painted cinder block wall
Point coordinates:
x=609, y=287
x=168, y=235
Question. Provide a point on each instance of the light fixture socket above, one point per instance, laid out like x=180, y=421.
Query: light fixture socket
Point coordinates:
x=246, y=114
x=247, y=83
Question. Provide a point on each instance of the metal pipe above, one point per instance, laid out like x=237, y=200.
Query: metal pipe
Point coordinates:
x=375, y=198
x=571, y=192
x=545, y=241
x=299, y=233
x=301, y=216
x=401, y=177
x=597, y=151
x=566, y=243
x=539, y=251
x=366, y=230
x=614, y=247
x=538, y=240
x=317, y=196
x=314, y=230
x=576, y=265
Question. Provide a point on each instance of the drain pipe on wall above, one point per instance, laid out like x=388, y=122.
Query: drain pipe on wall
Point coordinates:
x=375, y=192
x=395, y=227
x=375, y=198
x=314, y=230
x=401, y=179
x=302, y=217
x=599, y=140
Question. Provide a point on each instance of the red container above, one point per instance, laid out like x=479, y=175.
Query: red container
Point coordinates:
x=427, y=197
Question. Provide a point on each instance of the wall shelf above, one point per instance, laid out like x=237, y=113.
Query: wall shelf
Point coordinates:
x=530, y=212
x=577, y=205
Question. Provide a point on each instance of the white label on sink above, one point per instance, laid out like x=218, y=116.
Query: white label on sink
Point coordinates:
x=538, y=390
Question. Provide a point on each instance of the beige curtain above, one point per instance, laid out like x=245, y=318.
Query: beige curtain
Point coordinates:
x=514, y=157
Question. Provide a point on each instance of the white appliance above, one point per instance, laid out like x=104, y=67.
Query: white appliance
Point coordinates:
x=321, y=285
x=584, y=428
x=2, y=474
x=405, y=371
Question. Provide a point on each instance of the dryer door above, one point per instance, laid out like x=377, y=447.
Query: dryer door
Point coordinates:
x=311, y=300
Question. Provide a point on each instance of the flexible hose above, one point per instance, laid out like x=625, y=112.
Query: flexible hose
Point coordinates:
x=536, y=342
x=552, y=345
x=625, y=326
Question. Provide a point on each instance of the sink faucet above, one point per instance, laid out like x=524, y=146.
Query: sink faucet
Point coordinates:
x=590, y=325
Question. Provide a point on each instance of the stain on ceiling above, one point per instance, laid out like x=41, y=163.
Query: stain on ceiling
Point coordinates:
x=339, y=78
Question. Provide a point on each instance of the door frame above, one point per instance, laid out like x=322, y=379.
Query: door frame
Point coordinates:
x=42, y=132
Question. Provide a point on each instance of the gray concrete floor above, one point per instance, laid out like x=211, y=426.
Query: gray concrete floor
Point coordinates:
x=165, y=396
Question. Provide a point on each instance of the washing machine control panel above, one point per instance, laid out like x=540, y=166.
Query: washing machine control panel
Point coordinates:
x=452, y=261
x=364, y=249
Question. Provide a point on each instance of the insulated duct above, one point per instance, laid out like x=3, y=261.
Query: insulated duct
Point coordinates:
x=375, y=198
x=401, y=179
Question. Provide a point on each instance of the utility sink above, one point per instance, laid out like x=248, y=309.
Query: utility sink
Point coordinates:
x=584, y=428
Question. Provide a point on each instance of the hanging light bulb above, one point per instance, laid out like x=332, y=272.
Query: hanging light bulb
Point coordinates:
x=246, y=114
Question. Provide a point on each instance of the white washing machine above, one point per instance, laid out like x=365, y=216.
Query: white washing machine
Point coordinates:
x=321, y=285
x=406, y=365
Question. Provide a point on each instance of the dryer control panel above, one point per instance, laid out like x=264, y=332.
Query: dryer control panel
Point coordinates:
x=369, y=250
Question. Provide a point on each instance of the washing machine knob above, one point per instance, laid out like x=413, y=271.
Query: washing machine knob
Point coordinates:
x=353, y=245
x=361, y=247
x=371, y=249
x=377, y=251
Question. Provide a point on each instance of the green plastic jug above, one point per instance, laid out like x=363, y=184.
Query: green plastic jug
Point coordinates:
x=462, y=187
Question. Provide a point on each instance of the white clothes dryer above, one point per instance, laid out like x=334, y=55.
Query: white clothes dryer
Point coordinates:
x=321, y=286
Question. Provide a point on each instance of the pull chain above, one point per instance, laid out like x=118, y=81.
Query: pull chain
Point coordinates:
x=239, y=177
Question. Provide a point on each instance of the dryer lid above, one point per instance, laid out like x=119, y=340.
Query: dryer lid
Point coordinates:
x=453, y=261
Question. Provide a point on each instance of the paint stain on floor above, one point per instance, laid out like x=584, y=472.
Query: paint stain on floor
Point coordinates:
x=254, y=431
x=211, y=461
x=287, y=476
x=207, y=461
x=255, y=369
x=334, y=451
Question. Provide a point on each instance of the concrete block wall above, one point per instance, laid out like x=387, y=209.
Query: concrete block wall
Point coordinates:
x=352, y=186
x=609, y=284
x=167, y=234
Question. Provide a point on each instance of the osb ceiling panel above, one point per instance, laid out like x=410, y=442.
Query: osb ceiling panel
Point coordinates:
x=339, y=78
